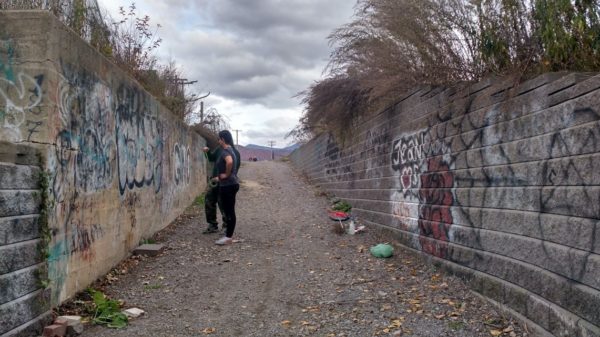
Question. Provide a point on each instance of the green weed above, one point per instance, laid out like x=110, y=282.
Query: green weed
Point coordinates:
x=199, y=200
x=342, y=206
x=107, y=312
x=149, y=241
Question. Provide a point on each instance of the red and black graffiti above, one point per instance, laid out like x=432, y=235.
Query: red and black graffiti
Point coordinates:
x=436, y=197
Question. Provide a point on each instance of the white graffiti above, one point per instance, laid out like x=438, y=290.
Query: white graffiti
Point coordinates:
x=408, y=149
x=19, y=97
x=139, y=142
x=181, y=165
x=408, y=155
x=87, y=122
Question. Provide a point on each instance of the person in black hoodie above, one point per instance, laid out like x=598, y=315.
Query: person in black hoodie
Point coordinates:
x=211, y=196
x=227, y=166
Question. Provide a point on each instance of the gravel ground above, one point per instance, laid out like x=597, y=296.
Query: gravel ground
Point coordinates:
x=289, y=275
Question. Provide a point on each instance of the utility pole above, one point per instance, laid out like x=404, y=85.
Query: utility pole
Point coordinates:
x=202, y=106
x=271, y=143
x=236, y=136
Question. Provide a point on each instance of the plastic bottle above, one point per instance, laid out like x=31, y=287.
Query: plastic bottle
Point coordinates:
x=351, y=227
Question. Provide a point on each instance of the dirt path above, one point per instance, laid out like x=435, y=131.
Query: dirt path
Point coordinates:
x=289, y=276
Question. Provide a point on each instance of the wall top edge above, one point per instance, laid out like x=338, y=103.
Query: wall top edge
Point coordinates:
x=60, y=34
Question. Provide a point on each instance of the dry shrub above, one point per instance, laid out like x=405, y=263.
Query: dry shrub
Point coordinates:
x=130, y=41
x=392, y=46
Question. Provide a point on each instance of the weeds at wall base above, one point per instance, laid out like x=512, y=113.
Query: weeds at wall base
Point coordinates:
x=44, y=229
x=95, y=307
x=106, y=311
x=199, y=201
x=149, y=241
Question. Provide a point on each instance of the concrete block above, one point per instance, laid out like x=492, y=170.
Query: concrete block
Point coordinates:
x=32, y=328
x=55, y=330
x=18, y=154
x=18, y=229
x=149, y=249
x=538, y=81
x=20, y=311
x=74, y=325
x=585, y=83
x=19, y=256
x=19, y=283
x=14, y=203
x=19, y=176
x=75, y=329
x=61, y=321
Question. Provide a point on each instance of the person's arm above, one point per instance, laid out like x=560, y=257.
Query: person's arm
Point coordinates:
x=211, y=155
x=228, y=168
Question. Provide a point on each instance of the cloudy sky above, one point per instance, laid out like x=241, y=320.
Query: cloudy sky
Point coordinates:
x=252, y=55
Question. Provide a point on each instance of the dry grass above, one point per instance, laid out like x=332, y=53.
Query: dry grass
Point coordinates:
x=392, y=46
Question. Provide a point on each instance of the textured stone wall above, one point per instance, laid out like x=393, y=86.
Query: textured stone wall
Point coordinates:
x=24, y=306
x=121, y=166
x=500, y=184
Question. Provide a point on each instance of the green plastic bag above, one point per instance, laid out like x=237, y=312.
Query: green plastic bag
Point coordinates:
x=382, y=250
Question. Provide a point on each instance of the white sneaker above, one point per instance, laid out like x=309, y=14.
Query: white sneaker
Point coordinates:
x=224, y=241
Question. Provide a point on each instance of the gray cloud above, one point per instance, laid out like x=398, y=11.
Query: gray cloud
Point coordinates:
x=251, y=52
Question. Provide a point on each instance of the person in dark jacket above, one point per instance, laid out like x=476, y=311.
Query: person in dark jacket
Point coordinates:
x=229, y=185
x=211, y=196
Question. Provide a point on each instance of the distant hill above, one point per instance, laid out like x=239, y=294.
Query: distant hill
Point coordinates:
x=292, y=147
x=257, y=147
x=264, y=152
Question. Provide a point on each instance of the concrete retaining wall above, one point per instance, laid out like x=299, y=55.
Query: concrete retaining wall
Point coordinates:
x=24, y=305
x=500, y=184
x=121, y=167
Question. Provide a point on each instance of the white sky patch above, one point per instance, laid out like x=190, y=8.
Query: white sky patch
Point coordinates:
x=253, y=56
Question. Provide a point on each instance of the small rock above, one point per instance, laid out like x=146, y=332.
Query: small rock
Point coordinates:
x=61, y=321
x=74, y=325
x=149, y=249
x=133, y=312
x=55, y=330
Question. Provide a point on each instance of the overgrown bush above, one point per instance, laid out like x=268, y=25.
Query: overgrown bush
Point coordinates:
x=130, y=41
x=394, y=45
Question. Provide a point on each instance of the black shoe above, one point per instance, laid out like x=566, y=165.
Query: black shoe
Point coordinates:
x=211, y=229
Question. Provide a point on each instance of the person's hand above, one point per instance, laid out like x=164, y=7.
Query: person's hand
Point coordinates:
x=222, y=176
x=205, y=149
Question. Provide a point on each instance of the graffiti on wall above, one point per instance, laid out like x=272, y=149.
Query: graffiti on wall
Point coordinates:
x=83, y=163
x=518, y=194
x=139, y=141
x=102, y=136
x=82, y=238
x=181, y=164
x=374, y=151
x=87, y=120
x=340, y=163
x=423, y=178
x=435, y=216
x=407, y=159
x=20, y=98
